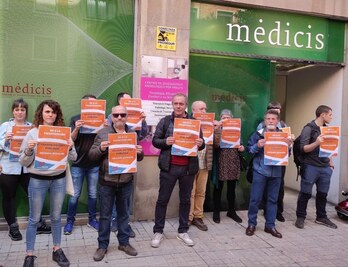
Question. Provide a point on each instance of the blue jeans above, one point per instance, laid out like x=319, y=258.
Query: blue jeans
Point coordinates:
x=78, y=174
x=36, y=193
x=167, y=183
x=321, y=177
x=108, y=196
x=260, y=185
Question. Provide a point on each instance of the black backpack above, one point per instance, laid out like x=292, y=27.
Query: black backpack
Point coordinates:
x=298, y=153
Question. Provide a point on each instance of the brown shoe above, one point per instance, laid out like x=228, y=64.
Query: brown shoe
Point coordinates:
x=250, y=230
x=99, y=254
x=128, y=249
x=273, y=232
x=198, y=222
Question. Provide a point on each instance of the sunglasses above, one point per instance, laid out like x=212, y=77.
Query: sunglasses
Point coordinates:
x=116, y=115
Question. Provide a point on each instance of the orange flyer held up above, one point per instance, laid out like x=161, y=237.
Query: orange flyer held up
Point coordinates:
x=286, y=130
x=52, y=148
x=276, y=149
x=93, y=115
x=329, y=148
x=185, y=133
x=19, y=132
x=134, y=110
x=207, y=126
x=122, y=153
x=230, y=133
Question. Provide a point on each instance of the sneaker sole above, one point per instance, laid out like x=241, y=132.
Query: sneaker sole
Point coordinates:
x=186, y=244
x=327, y=225
x=67, y=233
x=157, y=246
x=43, y=232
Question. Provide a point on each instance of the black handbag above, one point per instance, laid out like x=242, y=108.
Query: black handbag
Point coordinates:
x=242, y=162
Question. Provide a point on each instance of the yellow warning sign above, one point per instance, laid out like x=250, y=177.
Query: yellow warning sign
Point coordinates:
x=166, y=38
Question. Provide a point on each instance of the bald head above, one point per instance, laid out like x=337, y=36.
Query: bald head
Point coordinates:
x=199, y=107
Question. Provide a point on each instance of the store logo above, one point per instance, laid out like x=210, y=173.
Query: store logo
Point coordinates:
x=278, y=36
x=26, y=90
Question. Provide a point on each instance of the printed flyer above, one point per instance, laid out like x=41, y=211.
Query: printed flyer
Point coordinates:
x=329, y=148
x=230, y=133
x=134, y=110
x=93, y=115
x=185, y=133
x=122, y=153
x=19, y=132
x=52, y=148
x=286, y=130
x=207, y=126
x=276, y=149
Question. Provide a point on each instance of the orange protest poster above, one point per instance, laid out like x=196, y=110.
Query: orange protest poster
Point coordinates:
x=185, y=133
x=93, y=115
x=122, y=153
x=207, y=126
x=19, y=132
x=133, y=106
x=230, y=133
x=286, y=130
x=329, y=148
x=52, y=148
x=276, y=149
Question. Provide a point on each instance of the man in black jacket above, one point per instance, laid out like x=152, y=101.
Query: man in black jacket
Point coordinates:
x=173, y=168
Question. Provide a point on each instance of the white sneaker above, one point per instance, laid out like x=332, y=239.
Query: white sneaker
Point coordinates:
x=184, y=237
x=156, y=240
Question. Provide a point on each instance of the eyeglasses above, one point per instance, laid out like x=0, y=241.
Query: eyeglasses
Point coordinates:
x=116, y=115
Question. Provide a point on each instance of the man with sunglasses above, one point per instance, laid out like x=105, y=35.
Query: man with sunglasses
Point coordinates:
x=174, y=168
x=113, y=188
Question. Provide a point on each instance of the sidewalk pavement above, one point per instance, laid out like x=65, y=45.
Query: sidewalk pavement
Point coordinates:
x=224, y=244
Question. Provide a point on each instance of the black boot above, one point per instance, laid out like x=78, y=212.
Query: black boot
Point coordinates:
x=14, y=232
x=216, y=216
x=233, y=215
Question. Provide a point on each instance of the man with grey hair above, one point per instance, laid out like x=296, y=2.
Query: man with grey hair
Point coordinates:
x=205, y=160
x=174, y=168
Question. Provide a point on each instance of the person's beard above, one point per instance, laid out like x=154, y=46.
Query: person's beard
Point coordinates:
x=271, y=127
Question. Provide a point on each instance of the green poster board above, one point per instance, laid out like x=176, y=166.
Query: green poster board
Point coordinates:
x=62, y=50
x=245, y=86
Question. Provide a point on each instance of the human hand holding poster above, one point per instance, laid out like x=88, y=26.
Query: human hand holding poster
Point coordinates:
x=122, y=153
x=52, y=148
x=185, y=133
x=93, y=115
x=329, y=147
x=230, y=133
x=276, y=149
x=19, y=132
x=207, y=126
x=134, y=110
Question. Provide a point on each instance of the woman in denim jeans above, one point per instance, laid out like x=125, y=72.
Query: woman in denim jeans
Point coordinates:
x=41, y=181
x=13, y=174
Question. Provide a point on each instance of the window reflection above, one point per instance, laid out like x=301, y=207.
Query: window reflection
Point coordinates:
x=100, y=9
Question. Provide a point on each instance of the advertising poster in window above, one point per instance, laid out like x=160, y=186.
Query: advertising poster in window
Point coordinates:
x=161, y=79
x=52, y=148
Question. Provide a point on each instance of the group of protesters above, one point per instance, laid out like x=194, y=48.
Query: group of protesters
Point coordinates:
x=89, y=159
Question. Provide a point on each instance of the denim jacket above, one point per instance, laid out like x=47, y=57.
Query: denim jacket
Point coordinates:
x=9, y=167
x=258, y=162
